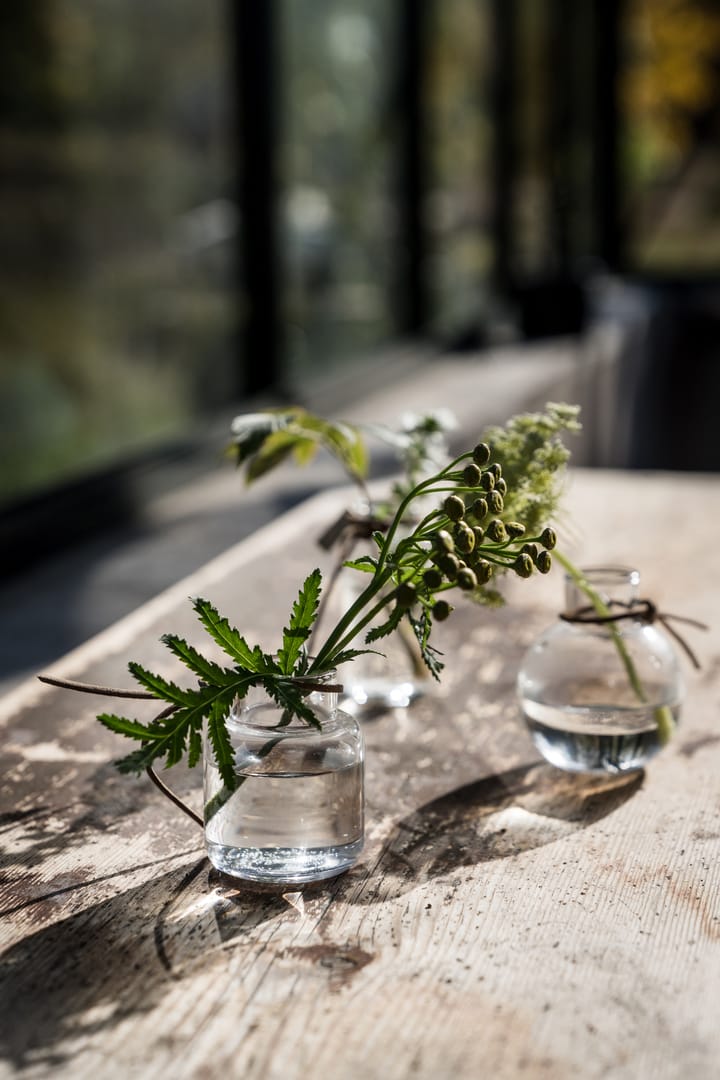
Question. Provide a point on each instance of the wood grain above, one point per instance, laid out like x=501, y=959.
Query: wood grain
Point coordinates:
x=505, y=919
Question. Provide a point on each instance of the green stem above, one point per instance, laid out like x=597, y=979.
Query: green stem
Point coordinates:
x=340, y=634
x=663, y=715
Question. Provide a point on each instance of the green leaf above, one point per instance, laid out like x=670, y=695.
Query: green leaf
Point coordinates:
x=122, y=725
x=250, y=432
x=228, y=638
x=347, y=655
x=303, y=616
x=304, y=451
x=275, y=449
x=160, y=687
x=136, y=762
x=386, y=628
x=168, y=736
x=421, y=628
x=194, y=748
x=343, y=440
x=365, y=563
x=286, y=695
x=221, y=745
x=205, y=669
x=265, y=440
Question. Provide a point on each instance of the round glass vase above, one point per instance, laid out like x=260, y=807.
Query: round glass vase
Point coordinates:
x=296, y=813
x=601, y=697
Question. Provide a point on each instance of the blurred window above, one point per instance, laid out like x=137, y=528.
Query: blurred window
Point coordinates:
x=116, y=230
x=338, y=229
x=201, y=200
x=459, y=196
x=670, y=125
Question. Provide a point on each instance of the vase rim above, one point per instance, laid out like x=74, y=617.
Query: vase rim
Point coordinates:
x=248, y=718
x=628, y=575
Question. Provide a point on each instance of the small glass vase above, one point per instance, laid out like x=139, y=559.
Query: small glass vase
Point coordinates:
x=601, y=697
x=392, y=674
x=297, y=812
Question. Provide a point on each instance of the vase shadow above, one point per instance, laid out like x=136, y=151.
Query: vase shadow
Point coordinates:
x=84, y=974
x=498, y=816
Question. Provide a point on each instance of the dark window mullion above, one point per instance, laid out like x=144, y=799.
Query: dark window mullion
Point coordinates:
x=608, y=234
x=412, y=60
x=257, y=72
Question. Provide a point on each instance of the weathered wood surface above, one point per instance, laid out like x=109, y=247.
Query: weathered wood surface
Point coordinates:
x=505, y=920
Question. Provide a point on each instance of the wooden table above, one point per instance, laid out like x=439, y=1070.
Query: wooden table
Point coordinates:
x=505, y=920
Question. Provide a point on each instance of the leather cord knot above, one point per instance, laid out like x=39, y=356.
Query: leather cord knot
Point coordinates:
x=643, y=610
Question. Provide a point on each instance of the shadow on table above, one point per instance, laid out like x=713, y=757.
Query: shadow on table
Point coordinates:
x=501, y=815
x=86, y=973
x=79, y=976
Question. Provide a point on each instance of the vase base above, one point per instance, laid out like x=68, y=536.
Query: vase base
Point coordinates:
x=284, y=866
x=374, y=695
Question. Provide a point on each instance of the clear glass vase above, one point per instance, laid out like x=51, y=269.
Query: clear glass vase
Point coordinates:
x=392, y=674
x=297, y=812
x=601, y=697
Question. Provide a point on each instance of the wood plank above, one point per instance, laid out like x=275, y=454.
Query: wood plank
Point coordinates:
x=505, y=919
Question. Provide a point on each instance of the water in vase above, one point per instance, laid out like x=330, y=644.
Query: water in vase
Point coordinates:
x=596, y=738
x=253, y=836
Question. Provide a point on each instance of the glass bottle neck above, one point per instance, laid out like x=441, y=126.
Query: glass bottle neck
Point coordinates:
x=610, y=583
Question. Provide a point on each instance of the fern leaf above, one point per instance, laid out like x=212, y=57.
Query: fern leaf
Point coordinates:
x=221, y=745
x=136, y=762
x=229, y=639
x=197, y=663
x=160, y=687
x=349, y=654
x=291, y=700
x=386, y=628
x=194, y=748
x=421, y=628
x=304, y=613
x=122, y=725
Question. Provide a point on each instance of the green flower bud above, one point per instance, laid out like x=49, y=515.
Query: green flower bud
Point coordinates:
x=433, y=578
x=481, y=454
x=496, y=531
x=523, y=566
x=454, y=507
x=467, y=580
x=544, y=562
x=531, y=550
x=444, y=541
x=487, y=481
x=464, y=538
x=548, y=538
x=515, y=530
x=495, y=469
x=501, y=485
x=479, y=534
x=471, y=475
x=441, y=610
x=449, y=564
x=483, y=571
x=495, y=501
x=406, y=594
x=479, y=509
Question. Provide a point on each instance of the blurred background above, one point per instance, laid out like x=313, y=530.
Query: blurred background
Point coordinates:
x=206, y=206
